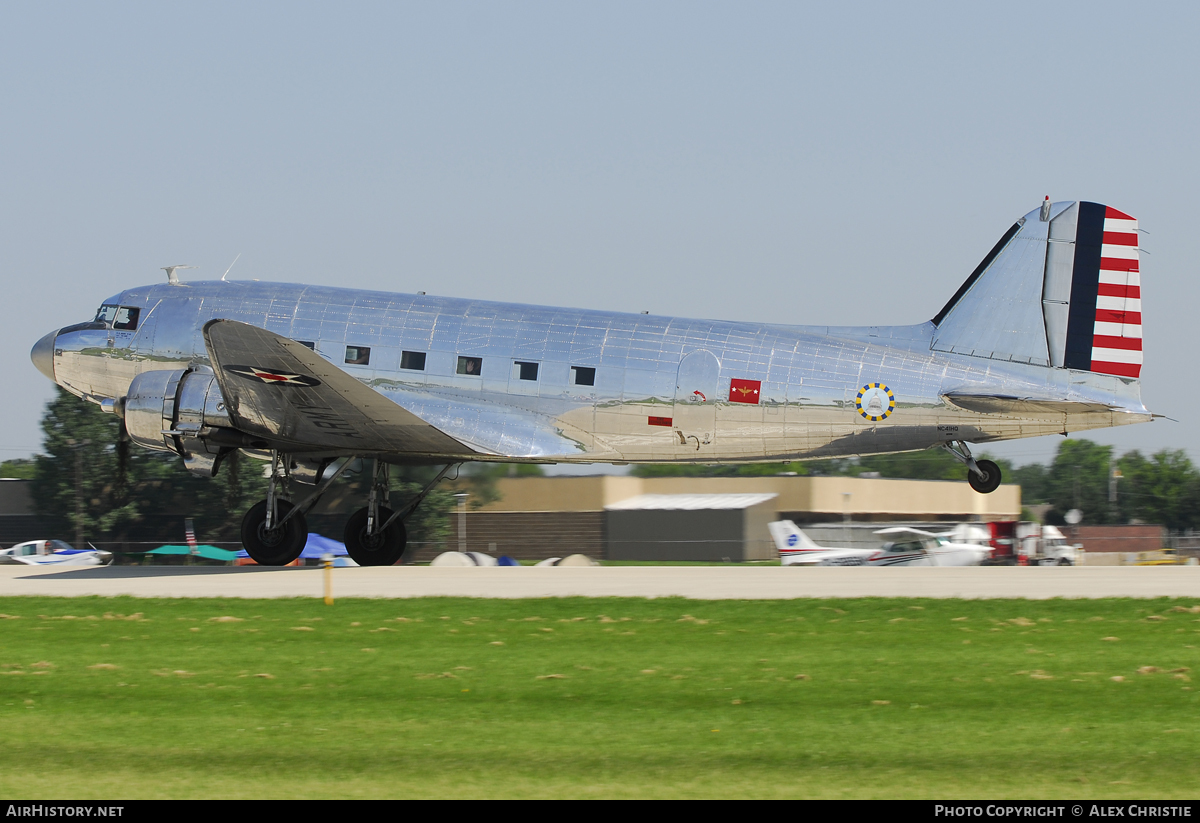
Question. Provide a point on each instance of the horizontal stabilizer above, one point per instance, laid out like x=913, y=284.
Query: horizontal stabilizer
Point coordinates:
x=1024, y=406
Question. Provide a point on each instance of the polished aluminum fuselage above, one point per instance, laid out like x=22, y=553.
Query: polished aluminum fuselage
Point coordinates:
x=662, y=384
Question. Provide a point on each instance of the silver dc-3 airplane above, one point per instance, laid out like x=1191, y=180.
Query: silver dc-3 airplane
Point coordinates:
x=1044, y=337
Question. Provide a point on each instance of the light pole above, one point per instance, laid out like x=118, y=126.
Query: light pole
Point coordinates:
x=1114, y=510
x=461, y=497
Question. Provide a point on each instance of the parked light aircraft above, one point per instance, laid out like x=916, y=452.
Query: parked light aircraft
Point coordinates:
x=910, y=547
x=1044, y=337
x=53, y=553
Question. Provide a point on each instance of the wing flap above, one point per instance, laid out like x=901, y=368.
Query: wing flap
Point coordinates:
x=283, y=391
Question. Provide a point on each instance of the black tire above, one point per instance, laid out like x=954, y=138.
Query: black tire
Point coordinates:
x=989, y=482
x=1063, y=561
x=384, y=549
x=276, y=547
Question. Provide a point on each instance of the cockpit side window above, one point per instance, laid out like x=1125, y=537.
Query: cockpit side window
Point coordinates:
x=126, y=318
x=106, y=314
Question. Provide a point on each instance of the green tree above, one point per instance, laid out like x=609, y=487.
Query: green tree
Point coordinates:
x=1034, y=480
x=1164, y=489
x=930, y=464
x=1078, y=479
x=93, y=483
x=19, y=469
x=119, y=483
x=81, y=478
x=430, y=523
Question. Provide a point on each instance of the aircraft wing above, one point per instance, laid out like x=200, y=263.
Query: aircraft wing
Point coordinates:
x=906, y=530
x=283, y=391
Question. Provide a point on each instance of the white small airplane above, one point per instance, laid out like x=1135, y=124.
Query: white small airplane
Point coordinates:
x=53, y=553
x=911, y=547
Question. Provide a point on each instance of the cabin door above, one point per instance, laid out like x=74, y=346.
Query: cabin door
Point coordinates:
x=694, y=415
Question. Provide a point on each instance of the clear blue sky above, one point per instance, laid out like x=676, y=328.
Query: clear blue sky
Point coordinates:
x=783, y=162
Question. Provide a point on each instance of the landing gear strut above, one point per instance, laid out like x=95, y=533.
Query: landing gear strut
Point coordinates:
x=371, y=536
x=375, y=536
x=274, y=531
x=982, y=475
x=382, y=547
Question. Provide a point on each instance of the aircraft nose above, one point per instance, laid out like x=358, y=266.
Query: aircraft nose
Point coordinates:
x=42, y=354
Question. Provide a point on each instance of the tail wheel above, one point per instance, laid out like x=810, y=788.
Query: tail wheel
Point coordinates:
x=990, y=480
x=380, y=549
x=273, y=547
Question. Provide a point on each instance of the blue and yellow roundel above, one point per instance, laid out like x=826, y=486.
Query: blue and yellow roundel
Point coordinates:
x=875, y=402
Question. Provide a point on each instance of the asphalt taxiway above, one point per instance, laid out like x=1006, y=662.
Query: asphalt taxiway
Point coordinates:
x=696, y=582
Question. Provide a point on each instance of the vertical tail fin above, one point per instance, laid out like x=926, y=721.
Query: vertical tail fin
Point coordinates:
x=789, y=539
x=1061, y=289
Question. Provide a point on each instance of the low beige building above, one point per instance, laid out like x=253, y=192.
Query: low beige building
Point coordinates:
x=537, y=517
x=803, y=499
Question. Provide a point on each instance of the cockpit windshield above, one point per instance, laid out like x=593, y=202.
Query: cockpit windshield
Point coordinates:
x=127, y=318
x=106, y=314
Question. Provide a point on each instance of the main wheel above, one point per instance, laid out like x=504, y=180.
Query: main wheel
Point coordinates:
x=380, y=549
x=273, y=547
x=989, y=482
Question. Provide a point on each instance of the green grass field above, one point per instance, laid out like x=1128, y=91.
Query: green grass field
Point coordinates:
x=122, y=698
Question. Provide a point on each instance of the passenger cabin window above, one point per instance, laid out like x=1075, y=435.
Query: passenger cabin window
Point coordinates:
x=106, y=315
x=470, y=365
x=583, y=376
x=525, y=371
x=308, y=344
x=414, y=360
x=126, y=318
x=358, y=355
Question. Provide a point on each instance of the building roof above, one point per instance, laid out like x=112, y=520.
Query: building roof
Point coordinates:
x=691, y=502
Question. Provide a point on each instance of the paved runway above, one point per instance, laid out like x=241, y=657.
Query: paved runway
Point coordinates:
x=697, y=582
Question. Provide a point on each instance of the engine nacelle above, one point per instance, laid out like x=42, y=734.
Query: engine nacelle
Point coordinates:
x=166, y=410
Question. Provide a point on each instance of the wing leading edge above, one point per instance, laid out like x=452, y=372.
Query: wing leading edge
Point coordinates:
x=281, y=390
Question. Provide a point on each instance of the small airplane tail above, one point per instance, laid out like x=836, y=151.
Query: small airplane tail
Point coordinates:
x=1061, y=289
x=789, y=539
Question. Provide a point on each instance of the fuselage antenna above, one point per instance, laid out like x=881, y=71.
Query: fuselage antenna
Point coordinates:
x=173, y=278
x=231, y=265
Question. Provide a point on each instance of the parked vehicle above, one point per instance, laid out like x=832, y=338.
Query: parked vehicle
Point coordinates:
x=1050, y=548
x=1015, y=543
x=1002, y=538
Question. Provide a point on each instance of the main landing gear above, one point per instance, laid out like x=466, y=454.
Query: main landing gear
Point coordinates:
x=269, y=542
x=274, y=531
x=982, y=475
